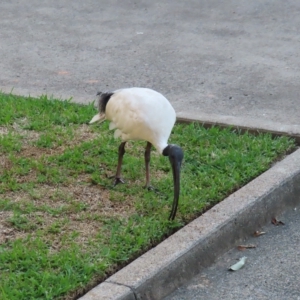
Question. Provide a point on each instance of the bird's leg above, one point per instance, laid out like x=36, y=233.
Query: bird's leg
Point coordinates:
x=147, y=164
x=118, y=178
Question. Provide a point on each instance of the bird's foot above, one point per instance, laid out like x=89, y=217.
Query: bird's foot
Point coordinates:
x=118, y=180
x=151, y=188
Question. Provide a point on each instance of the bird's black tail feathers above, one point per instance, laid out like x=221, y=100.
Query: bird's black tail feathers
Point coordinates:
x=103, y=100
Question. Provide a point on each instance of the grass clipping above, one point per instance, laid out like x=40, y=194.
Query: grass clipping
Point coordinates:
x=64, y=228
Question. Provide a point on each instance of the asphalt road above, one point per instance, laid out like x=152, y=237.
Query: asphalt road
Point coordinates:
x=236, y=58
x=272, y=269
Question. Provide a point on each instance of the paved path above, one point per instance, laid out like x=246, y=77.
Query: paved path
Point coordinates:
x=236, y=58
x=272, y=270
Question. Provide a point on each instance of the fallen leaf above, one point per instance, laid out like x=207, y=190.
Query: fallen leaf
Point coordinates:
x=258, y=233
x=239, y=264
x=244, y=247
x=241, y=248
x=276, y=222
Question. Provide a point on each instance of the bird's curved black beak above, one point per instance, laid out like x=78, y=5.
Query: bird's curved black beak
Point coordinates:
x=175, y=154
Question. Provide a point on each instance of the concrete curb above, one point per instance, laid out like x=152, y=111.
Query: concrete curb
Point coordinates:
x=172, y=263
x=244, y=124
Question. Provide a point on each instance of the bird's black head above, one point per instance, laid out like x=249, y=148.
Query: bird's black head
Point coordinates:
x=175, y=154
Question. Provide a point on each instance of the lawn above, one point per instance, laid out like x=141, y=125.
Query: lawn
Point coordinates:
x=64, y=227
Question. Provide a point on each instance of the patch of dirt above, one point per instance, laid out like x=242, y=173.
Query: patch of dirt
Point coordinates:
x=82, y=134
x=95, y=199
x=5, y=162
x=7, y=232
x=29, y=136
x=15, y=128
x=4, y=130
x=80, y=208
x=33, y=151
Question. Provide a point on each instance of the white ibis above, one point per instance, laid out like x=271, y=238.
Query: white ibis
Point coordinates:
x=142, y=114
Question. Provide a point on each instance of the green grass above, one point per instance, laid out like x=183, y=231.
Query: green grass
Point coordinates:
x=65, y=226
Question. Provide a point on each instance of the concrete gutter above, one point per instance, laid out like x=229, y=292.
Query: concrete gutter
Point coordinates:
x=176, y=260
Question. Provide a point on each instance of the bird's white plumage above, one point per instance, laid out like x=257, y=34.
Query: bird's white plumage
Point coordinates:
x=141, y=114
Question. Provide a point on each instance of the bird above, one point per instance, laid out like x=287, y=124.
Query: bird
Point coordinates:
x=142, y=114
